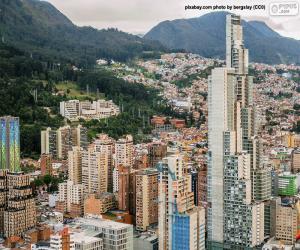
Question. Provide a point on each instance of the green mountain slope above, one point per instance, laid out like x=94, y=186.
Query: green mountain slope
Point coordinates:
x=39, y=28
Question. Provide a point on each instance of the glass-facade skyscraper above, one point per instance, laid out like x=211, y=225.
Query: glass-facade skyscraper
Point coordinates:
x=10, y=144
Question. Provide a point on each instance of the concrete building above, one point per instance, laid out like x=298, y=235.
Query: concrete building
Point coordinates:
x=145, y=242
x=70, y=199
x=59, y=142
x=75, y=165
x=286, y=222
x=287, y=184
x=97, y=204
x=84, y=241
x=188, y=230
x=202, y=187
x=237, y=181
x=124, y=151
x=115, y=235
x=94, y=170
x=115, y=180
x=18, y=211
x=176, y=204
x=146, y=198
x=62, y=240
x=46, y=164
x=124, y=185
x=296, y=161
x=157, y=151
x=105, y=144
x=75, y=109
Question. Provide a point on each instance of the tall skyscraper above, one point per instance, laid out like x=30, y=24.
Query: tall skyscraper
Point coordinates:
x=10, y=144
x=237, y=183
x=17, y=204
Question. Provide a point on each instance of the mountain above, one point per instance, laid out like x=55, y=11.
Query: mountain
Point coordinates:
x=39, y=28
x=206, y=36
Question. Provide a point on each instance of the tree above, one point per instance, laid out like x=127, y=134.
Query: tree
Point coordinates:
x=47, y=179
x=38, y=182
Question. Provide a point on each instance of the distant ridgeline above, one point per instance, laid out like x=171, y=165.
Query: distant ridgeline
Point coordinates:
x=39, y=28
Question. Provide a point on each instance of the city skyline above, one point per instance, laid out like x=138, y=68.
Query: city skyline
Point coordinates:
x=110, y=141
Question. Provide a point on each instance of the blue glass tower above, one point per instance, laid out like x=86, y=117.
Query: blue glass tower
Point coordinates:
x=10, y=144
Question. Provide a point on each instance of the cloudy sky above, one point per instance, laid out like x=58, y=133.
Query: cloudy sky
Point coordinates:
x=139, y=16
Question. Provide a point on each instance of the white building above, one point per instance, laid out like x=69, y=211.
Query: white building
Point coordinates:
x=115, y=235
x=83, y=241
x=74, y=109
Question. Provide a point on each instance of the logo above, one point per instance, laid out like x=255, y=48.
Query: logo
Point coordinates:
x=284, y=8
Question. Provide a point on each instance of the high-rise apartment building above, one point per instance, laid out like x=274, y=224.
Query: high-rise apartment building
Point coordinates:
x=188, y=230
x=296, y=161
x=75, y=165
x=156, y=152
x=94, y=170
x=46, y=164
x=59, y=142
x=10, y=144
x=237, y=182
x=146, y=182
x=105, y=144
x=178, y=218
x=17, y=204
x=124, y=151
x=124, y=185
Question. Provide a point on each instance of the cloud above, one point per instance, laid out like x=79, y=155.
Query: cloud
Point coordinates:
x=141, y=15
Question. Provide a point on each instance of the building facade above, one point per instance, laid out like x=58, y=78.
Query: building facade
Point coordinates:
x=146, y=198
x=10, y=143
x=238, y=184
x=94, y=170
x=70, y=199
x=58, y=142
